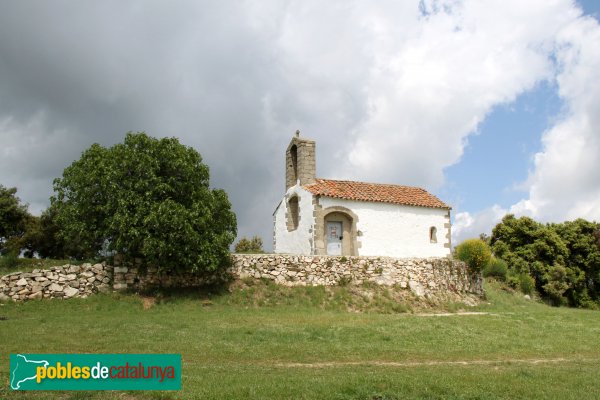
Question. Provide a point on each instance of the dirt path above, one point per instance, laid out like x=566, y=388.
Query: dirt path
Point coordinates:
x=451, y=314
x=375, y=363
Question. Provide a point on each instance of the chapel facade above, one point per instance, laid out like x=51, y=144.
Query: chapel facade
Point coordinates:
x=348, y=218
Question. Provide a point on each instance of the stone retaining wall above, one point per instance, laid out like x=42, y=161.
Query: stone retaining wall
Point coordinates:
x=137, y=277
x=63, y=282
x=424, y=277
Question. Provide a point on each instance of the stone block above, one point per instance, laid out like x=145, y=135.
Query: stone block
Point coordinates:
x=416, y=288
x=73, y=269
x=55, y=287
x=35, y=296
x=70, y=292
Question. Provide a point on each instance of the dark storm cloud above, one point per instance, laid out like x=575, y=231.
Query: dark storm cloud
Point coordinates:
x=72, y=74
x=211, y=74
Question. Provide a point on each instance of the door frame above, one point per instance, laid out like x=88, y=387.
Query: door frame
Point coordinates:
x=350, y=243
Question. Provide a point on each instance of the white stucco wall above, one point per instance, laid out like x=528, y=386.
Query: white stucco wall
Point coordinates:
x=299, y=240
x=394, y=230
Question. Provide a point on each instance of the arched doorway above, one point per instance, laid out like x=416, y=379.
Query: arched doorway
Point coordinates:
x=335, y=232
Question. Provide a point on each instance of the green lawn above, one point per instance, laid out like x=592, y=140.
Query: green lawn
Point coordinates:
x=307, y=345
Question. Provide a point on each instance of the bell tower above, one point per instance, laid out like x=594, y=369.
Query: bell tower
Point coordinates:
x=300, y=162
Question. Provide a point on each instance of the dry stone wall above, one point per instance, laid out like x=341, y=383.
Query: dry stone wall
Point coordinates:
x=57, y=282
x=137, y=277
x=424, y=277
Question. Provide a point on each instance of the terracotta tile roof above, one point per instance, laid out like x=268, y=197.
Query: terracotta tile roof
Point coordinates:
x=397, y=194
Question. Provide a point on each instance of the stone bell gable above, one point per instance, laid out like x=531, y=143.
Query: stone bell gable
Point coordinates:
x=349, y=218
x=300, y=162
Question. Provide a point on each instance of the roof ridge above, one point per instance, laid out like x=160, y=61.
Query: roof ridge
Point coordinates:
x=368, y=183
x=376, y=192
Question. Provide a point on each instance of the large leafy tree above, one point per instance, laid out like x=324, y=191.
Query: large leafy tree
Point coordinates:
x=148, y=198
x=13, y=220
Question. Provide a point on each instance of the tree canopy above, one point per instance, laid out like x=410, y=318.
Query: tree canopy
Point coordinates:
x=148, y=198
x=563, y=259
x=13, y=220
x=250, y=246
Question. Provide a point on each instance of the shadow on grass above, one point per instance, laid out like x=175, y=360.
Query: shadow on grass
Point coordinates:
x=192, y=293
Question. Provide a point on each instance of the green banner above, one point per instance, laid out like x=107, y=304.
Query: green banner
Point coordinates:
x=95, y=371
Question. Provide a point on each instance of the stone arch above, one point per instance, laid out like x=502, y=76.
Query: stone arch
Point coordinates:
x=349, y=219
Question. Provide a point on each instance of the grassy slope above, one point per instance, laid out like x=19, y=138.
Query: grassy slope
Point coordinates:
x=231, y=350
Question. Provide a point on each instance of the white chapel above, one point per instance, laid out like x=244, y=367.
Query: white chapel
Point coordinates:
x=347, y=218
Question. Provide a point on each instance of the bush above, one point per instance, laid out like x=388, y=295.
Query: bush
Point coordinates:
x=475, y=253
x=496, y=268
x=526, y=283
x=250, y=246
x=9, y=261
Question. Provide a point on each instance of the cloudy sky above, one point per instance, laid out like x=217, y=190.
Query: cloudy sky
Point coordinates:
x=493, y=105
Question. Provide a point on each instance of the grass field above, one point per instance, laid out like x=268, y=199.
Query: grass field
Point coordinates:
x=268, y=343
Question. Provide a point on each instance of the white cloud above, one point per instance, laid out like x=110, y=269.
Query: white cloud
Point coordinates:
x=468, y=226
x=565, y=181
x=440, y=80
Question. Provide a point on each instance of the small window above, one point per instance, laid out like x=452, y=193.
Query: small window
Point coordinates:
x=294, y=155
x=433, y=234
x=293, y=216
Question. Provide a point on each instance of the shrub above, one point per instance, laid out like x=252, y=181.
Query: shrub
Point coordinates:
x=475, y=253
x=526, y=283
x=9, y=261
x=496, y=268
x=250, y=246
x=557, y=284
x=345, y=281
